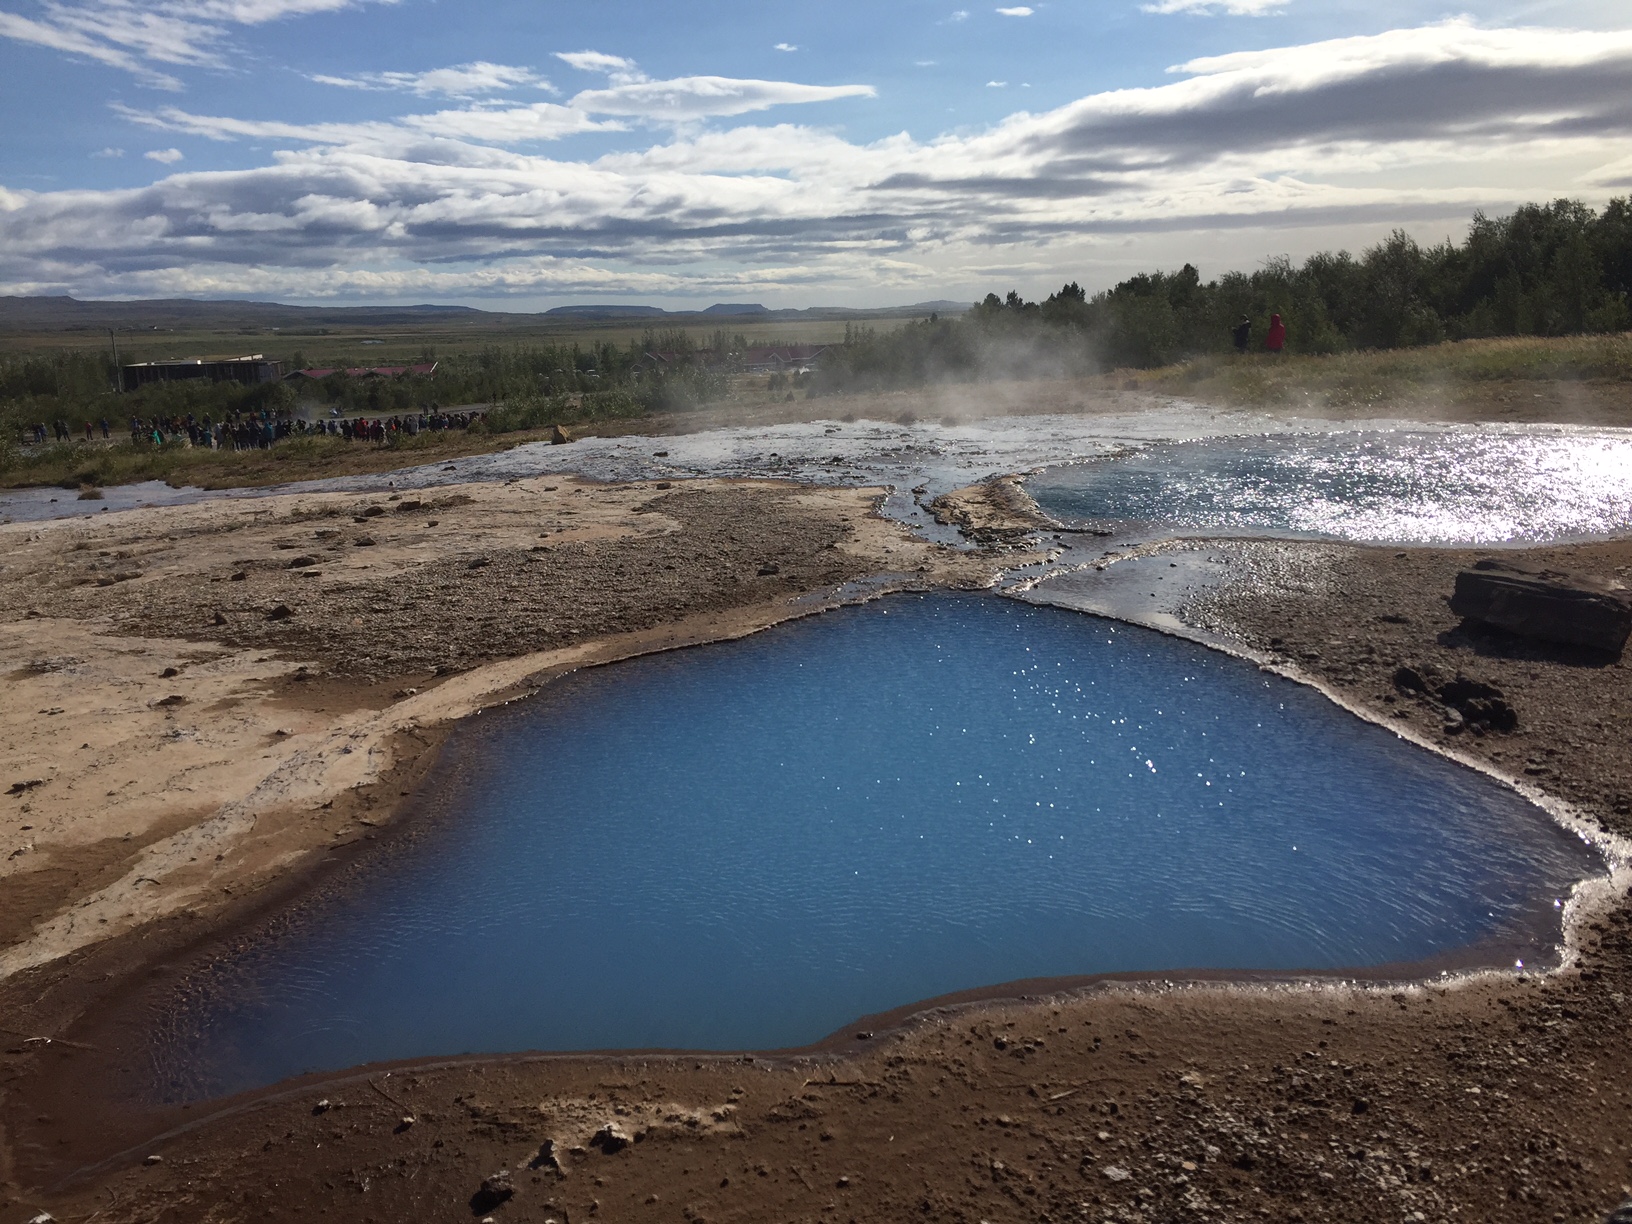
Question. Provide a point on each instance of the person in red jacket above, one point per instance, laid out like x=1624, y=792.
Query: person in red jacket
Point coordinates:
x=1276, y=340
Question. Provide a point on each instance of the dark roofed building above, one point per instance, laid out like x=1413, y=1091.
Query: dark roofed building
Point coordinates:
x=246, y=370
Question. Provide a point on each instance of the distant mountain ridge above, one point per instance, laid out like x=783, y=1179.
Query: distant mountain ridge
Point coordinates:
x=63, y=313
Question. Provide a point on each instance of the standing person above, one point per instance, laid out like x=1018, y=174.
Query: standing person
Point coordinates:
x=1242, y=332
x=1276, y=340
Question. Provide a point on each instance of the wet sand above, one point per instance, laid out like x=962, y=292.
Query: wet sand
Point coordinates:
x=1499, y=1096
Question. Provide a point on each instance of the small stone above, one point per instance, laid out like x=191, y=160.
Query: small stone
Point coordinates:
x=609, y=1139
x=1116, y=1173
x=1409, y=680
x=364, y=542
x=280, y=613
x=220, y=618
x=545, y=1158
x=769, y=568
x=322, y=1106
x=154, y=1160
x=373, y=512
x=495, y=1189
x=479, y=563
x=302, y=562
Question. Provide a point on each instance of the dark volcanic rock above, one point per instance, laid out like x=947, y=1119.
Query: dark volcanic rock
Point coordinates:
x=1545, y=604
x=495, y=1190
x=1479, y=704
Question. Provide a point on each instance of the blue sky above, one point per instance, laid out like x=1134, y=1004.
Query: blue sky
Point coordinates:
x=505, y=153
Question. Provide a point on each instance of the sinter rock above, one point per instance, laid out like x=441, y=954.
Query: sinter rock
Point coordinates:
x=1554, y=607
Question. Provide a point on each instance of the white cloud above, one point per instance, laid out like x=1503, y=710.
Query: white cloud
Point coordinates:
x=61, y=36
x=959, y=15
x=997, y=84
x=460, y=81
x=1407, y=126
x=132, y=35
x=681, y=101
x=785, y=47
x=686, y=98
x=1207, y=8
x=619, y=70
x=1019, y=10
x=110, y=151
x=168, y=157
x=405, y=136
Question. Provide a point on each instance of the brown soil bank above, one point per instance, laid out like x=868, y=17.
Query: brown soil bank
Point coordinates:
x=1502, y=1098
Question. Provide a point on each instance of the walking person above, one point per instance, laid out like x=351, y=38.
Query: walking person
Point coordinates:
x=1242, y=333
x=1276, y=340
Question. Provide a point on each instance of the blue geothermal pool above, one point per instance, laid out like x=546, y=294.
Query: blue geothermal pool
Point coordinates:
x=753, y=844
x=1401, y=486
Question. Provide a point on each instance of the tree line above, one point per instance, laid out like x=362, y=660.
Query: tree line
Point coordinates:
x=1545, y=270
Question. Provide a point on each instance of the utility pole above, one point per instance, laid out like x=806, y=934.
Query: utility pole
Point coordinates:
x=118, y=371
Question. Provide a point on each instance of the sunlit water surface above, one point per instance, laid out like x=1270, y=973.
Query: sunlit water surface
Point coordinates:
x=1399, y=487
x=749, y=845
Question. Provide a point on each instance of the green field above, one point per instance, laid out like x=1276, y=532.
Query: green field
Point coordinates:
x=1467, y=371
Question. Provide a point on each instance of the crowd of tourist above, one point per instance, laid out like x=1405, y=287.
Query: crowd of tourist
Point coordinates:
x=259, y=431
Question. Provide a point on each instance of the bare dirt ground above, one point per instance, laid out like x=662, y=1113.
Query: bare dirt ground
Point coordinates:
x=1501, y=1097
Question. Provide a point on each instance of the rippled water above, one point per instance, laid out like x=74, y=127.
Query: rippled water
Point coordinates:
x=1473, y=487
x=751, y=844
